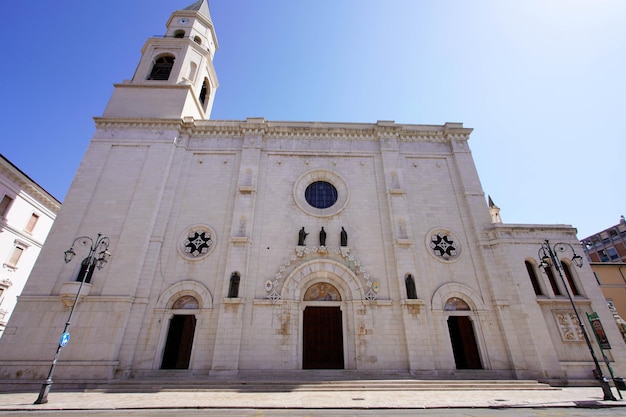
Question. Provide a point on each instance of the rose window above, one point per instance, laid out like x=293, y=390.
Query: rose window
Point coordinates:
x=197, y=242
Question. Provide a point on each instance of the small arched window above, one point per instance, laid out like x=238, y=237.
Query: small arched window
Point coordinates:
x=411, y=292
x=83, y=270
x=162, y=68
x=193, y=67
x=534, y=280
x=179, y=34
x=197, y=40
x=204, y=92
x=552, y=279
x=570, y=278
x=233, y=288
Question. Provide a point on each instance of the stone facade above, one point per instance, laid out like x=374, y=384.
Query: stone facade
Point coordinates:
x=210, y=275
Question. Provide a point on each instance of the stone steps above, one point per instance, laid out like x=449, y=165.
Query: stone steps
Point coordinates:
x=159, y=385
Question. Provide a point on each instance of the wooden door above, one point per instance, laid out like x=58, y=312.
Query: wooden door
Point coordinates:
x=464, y=346
x=322, y=338
x=179, y=342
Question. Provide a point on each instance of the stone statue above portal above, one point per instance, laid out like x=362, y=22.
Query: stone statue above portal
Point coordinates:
x=301, y=236
x=344, y=237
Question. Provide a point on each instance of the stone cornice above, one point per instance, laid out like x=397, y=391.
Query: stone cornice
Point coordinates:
x=521, y=234
x=296, y=130
x=117, y=123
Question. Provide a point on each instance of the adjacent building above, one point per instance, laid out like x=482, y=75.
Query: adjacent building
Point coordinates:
x=280, y=247
x=612, y=280
x=606, y=252
x=27, y=213
x=608, y=245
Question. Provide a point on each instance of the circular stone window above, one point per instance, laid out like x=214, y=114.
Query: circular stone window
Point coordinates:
x=321, y=193
x=443, y=245
x=197, y=242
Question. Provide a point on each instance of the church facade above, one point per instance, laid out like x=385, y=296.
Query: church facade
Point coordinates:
x=261, y=246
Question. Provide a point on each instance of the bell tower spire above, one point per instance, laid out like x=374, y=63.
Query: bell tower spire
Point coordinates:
x=175, y=77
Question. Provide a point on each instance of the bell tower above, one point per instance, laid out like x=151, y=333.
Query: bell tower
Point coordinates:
x=175, y=77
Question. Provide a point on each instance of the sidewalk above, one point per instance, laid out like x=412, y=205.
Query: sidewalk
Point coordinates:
x=94, y=400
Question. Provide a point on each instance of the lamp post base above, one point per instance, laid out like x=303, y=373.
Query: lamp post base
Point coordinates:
x=43, y=394
x=606, y=388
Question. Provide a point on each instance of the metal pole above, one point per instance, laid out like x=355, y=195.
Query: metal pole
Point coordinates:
x=606, y=388
x=47, y=384
x=606, y=360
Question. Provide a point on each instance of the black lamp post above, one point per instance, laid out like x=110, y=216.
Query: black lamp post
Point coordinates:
x=547, y=256
x=98, y=256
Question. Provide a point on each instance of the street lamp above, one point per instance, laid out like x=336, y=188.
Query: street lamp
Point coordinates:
x=98, y=256
x=547, y=256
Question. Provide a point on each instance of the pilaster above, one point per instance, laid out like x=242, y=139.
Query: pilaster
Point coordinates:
x=229, y=330
x=417, y=348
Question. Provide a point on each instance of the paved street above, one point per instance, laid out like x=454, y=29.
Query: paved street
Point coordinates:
x=457, y=412
x=575, y=401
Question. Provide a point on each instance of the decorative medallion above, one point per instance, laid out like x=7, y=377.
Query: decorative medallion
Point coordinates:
x=197, y=242
x=443, y=245
x=274, y=296
x=370, y=296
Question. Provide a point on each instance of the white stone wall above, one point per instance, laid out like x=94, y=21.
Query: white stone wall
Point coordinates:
x=28, y=199
x=146, y=184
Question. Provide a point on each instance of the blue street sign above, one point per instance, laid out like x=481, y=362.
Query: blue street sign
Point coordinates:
x=65, y=338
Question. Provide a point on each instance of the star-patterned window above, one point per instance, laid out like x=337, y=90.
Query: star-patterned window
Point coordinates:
x=197, y=242
x=443, y=245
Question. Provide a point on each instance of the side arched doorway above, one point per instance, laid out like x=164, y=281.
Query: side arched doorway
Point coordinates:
x=179, y=342
x=464, y=344
x=322, y=329
x=180, y=335
x=462, y=336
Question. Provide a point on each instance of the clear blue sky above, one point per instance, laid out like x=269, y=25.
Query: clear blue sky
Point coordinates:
x=541, y=82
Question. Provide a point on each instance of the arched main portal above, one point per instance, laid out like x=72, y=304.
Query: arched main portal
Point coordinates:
x=315, y=285
x=322, y=328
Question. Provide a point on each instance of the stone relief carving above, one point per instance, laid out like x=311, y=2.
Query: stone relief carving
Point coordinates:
x=568, y=326
x=621, y=323
x=273, y=286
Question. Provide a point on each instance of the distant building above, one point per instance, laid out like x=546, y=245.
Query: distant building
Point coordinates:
x=607, y=246
x=27, y=212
